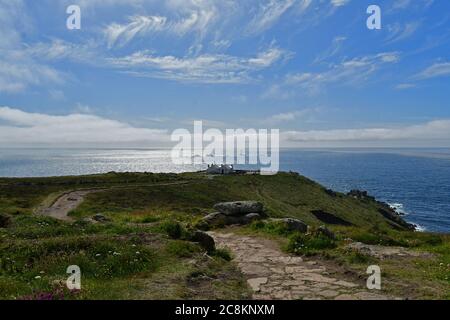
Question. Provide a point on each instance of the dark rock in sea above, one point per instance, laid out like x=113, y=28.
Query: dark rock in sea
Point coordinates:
x=293, y=224
x=393, y=216
x=239, y=208
x=204, y=240
x=5, y=220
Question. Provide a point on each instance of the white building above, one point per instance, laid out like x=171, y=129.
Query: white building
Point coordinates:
x=222, y=169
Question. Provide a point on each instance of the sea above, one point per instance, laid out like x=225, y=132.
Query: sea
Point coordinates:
x=416, y=182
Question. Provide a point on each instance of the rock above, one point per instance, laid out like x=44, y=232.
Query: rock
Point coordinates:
x=326, y=232
x=256, y=283
x=100, y=218
x=382, y=252
x=239, y=208
x=5, y=220
x=293, y=224
x=216, y=219
x=204, y=240
x=361, y=195
x=251, y=217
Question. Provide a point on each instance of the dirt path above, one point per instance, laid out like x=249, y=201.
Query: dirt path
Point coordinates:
x=273, y=274
x=69, y=201
x=66, y=203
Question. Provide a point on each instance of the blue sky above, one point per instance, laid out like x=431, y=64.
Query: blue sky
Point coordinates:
x=138, y=69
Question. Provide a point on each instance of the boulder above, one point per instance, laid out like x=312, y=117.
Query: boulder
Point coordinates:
x=239, y=208
x=293, y=224
x=204, y=240
x=5, y=220
x=216, y=219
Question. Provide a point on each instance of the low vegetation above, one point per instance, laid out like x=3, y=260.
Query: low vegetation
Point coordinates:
x=144, y=250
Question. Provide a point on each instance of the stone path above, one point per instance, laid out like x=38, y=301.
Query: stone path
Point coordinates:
x=273, y=274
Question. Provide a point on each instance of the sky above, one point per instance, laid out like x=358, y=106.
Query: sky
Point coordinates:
x=139, y=69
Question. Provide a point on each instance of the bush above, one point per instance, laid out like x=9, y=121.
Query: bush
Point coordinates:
x=359, y=258
x=223, y=254
x=309, y=244
x=173, y=229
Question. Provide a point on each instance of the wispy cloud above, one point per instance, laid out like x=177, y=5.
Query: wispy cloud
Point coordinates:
x=209, y=68
x=18, y=70
x=353, y=71
x=399, y=31
x=269, y=13
x=440, y=69
x=121, y=34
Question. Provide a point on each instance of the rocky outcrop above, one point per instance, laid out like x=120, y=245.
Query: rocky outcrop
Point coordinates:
x=393, y=217
x=361, y=195
x=239, y=208
x=233, y=213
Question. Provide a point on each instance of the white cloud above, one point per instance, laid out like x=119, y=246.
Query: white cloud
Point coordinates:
x=17, y=72
x=399, y=32
x=22, y=128
x=290, y=116
x=269, y=13
x=339, y=3
x=441, y=69
x=354, y=71
x=208, y=68
x=433, y=130
x=120, y=35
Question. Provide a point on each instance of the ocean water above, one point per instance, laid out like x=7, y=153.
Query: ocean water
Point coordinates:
x=415, y=181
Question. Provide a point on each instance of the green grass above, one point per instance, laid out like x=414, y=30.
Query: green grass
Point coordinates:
x=150, y=226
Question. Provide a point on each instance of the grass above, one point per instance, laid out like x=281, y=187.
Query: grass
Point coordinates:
x=143, y=253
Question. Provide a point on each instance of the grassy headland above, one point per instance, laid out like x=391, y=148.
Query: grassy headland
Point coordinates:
x=138, y=255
